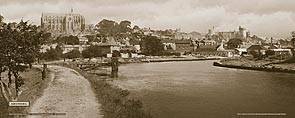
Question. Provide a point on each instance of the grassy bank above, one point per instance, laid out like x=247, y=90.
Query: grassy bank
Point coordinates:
x=31, y=91
x=114, y=100
x=261, y=65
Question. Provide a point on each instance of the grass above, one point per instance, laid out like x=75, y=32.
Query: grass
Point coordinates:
x=115, y=101
x=32, y=90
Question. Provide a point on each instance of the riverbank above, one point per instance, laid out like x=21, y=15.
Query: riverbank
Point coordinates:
x=31, y=91
x=114, y=100
x=148, y=59
x=261, y=65
x=179, y=59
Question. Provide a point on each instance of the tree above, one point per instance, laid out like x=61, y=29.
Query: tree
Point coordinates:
x=112, y=28
x=293, y=39
x=124, y=26
x=68, y=40
x=20, y=44
x=52, y=53
x=234, y=43
x=136, y=27
x=92, y=38
x=72, y=54
x=107, y=27
x=1, y=18
x=152, y=45
x=269, y=53
x=92, y=52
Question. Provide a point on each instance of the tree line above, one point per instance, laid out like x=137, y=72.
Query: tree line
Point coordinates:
x=19, y=48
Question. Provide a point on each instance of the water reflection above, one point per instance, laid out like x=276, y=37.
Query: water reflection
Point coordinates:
x=197, y=89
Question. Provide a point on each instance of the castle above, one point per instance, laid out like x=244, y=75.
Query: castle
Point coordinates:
x=241, y=33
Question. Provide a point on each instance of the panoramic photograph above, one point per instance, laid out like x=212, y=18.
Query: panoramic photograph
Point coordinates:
x=147, y=59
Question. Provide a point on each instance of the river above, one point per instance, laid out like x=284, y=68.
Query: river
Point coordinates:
x=199, y=90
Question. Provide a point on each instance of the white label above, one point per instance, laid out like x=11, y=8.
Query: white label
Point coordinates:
x=19, y=104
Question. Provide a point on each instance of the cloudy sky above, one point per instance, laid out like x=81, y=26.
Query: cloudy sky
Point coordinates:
x=262, y=17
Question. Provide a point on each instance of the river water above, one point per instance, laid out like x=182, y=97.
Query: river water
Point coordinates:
x=199, y=90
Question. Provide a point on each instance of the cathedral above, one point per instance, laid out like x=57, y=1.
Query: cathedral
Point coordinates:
x=63, y=23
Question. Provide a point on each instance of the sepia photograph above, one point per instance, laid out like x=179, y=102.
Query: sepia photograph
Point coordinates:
x=147, y=59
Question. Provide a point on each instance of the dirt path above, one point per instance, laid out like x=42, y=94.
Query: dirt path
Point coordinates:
x=69, y=93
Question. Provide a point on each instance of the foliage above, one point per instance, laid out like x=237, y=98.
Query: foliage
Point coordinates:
x=152, y=45
x=112, y=28
x=293, y=42
x=124, y=26
x=116, y=54
x=256, y=54
x=269, y=53
x=72, y=54
x=68, y=40
x=290, y=60
x=52, y=54
x=168, y=53
x=92, y=38
x=234, y=43
x=92, y=52
x=1, y=18
x=20, y=45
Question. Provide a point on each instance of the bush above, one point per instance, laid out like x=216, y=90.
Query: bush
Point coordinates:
x=152, y=46
x=68, y=40
x=256, y=54
x=72, y=54
x=92, y=52
x=52, y=54
x=269, y=53
x=171, y=54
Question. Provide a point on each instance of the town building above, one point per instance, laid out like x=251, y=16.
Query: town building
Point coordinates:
x=69, y=48
x=184, y=46
x=69, y=23
x=169, y=44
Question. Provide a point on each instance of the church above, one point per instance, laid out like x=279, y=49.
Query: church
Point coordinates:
x=69, y=23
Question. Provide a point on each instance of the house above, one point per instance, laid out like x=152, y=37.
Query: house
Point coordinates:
x=44, y=48
x=221, y=47
x=241, y=51
x=136, y=44
x=83, y=40
x=270, y=46
x=184, y=46
x=68, y=48
x=283, y=53
x=109, y=46
x=206, y=45
x=169, y=44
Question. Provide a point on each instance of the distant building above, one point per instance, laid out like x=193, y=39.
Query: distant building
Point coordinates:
x=69, y=48
x=242, y=33
x=169, y=44
x=63, y=23
x=109, y=46
x=284, y=53
x=184, y=46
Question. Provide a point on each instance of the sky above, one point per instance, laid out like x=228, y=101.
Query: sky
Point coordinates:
x=265, y=18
